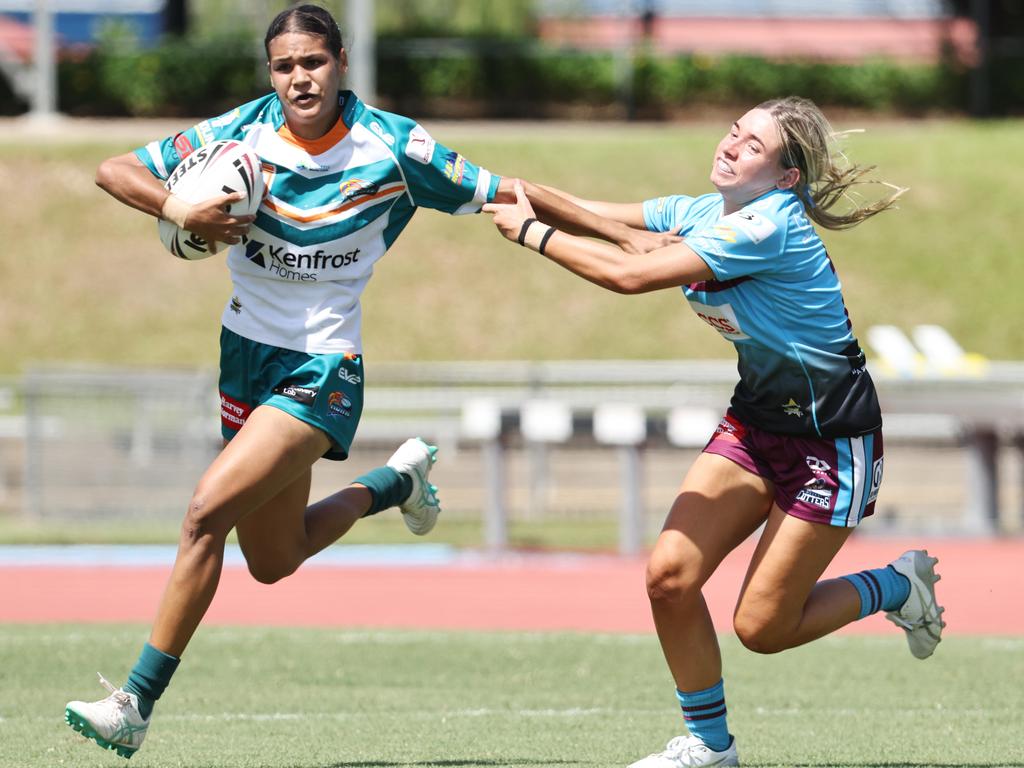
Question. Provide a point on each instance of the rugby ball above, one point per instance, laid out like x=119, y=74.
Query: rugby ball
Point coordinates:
x=218, y=168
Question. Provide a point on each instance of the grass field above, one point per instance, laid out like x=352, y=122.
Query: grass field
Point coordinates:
x=327, y=699
x=85, y=279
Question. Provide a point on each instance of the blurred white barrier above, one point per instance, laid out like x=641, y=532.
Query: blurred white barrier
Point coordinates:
x=624, y=425
x=120, y=443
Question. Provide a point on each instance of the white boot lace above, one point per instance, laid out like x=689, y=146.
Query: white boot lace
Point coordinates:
x=118, y=695
x=685, y=750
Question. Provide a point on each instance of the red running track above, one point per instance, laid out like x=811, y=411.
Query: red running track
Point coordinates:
x=518, y=592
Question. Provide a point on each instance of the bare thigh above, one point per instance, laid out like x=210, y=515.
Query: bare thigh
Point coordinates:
x=273, y=536
x=787, y=564
x=719, y=505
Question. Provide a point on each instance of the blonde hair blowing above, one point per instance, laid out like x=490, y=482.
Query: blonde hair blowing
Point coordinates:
x=826, y=175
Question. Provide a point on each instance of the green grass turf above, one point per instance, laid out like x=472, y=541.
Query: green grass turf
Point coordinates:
x=86, y=280
x=294, y=698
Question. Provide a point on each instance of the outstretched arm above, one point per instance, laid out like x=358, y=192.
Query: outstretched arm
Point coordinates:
x=619, y=223
x=125, y=178
x=605, y=265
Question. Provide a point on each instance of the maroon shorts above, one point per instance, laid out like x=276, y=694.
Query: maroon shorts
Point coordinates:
x=823, y=480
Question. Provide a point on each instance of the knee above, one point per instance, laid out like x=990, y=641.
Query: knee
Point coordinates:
x=269, y=571
x=672, y=577
x=205, y=520
x=758, y=633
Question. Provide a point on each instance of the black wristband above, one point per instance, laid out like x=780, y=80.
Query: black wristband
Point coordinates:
x=544, y=240
x=523, y=229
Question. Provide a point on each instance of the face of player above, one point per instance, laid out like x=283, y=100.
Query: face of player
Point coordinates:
x=748, y=161
x=306, y=77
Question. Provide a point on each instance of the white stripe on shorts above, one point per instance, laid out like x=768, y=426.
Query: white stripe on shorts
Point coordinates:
x=854, y=480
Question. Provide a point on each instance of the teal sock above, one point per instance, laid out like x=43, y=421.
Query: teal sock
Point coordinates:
x=388, y=486
x=880, y=589
x=150, y=676
x=704, y=713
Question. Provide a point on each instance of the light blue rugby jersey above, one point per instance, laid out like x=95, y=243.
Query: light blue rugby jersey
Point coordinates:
x=333, y=207
x=777, y=298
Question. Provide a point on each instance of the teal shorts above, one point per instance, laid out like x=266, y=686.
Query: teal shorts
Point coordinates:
x=325, y=391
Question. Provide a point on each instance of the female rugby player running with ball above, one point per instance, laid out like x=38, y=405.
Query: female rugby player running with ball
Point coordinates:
x=343, y=178
x=800, y=449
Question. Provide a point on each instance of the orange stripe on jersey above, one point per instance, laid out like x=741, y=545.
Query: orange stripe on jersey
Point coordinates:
x=392, y=190
x=315, y=146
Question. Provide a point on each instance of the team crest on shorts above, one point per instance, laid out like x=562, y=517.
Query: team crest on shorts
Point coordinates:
x=817, y=490
x=339, y=405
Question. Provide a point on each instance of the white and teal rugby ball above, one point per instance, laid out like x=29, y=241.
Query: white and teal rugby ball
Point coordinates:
x=218, y=168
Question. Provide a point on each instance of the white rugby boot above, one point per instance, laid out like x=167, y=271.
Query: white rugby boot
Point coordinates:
x=113, y=723
x=415, y=459
x=689, y=752
x=920, y=616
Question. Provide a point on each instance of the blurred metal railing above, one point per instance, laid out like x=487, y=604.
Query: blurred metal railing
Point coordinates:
x=106, y=443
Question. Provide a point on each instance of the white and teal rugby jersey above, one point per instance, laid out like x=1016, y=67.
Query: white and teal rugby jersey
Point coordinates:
x=777, y=298
x=333, y=207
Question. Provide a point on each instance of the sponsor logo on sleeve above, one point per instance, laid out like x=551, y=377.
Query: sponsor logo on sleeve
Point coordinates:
x=420, y=146
x=723, y=232
x=755, y=226
x=226, y=119
x=455, y=167
x=183, y=145
x=205, y=132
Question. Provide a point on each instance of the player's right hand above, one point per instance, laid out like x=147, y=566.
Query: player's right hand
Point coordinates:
x=211, y=221
x=639, y=241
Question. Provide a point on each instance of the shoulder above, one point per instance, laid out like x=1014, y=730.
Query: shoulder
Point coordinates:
x=390, y=128
x=769, y=218
x=232, y=124
x=682, y=207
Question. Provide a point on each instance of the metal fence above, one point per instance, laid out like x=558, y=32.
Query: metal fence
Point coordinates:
x=595, y=440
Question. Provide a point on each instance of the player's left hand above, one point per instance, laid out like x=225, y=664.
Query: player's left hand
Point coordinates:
x=639, y=241
x=509, y=217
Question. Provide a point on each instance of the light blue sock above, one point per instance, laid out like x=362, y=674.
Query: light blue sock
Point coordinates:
x=880, y=589
x=150, y=676
x=704, y=712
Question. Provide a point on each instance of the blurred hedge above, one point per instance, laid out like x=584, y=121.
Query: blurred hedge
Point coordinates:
x=499, y=78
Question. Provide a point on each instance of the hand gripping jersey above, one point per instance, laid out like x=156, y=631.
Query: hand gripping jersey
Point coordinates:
x=332, y=209
x=777, y=298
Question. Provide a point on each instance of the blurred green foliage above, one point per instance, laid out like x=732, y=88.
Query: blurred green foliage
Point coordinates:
x=486, y=57
x=491, y=78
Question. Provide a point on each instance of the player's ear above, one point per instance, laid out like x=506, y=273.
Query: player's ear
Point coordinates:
x=343, y=61
x=789, y=178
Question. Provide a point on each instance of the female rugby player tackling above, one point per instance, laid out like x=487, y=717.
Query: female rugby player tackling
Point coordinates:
x=799, y=451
